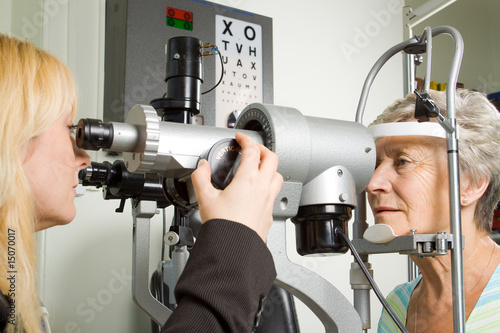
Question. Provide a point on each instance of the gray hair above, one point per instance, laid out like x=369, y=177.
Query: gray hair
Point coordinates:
x=479, y=142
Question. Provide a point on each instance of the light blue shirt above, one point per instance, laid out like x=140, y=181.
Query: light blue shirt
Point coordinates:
x=484, y=318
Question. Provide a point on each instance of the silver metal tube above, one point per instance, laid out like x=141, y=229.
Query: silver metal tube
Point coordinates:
x=453, y=166
x=408, y=74
x=454, y=181
x=359, y=226
x=428, y=50
x=373, y=73
x=124, y=137
x=361, y=296
x=412, y=270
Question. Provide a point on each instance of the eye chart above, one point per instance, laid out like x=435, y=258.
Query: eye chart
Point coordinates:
x=240, y=44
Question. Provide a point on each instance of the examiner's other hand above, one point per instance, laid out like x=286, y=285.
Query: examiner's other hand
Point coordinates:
x=250, y=196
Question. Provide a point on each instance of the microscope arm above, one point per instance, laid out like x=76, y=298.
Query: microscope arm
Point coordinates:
x=332, y=308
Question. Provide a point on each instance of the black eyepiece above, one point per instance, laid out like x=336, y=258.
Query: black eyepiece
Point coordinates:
x=93, y=134
x=96, y=174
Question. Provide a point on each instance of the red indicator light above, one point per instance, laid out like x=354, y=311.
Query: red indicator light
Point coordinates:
x=179, y=14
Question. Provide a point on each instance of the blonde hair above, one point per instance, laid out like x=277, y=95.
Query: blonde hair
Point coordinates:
x=479, y=142
x=34, y=88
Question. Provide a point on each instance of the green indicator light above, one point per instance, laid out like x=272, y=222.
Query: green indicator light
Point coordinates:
x=179, y=24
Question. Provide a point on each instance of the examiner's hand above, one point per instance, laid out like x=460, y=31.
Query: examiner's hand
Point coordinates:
x=250, y=196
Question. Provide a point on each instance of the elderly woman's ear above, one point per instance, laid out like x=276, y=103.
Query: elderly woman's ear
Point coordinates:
x=470, y=192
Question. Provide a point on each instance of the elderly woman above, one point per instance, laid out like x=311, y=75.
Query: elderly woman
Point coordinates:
x=409, y=190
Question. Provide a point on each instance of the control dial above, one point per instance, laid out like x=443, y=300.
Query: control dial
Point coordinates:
x=256, y=120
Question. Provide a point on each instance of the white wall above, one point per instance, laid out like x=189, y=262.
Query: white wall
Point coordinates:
x=477, y=21
x=319, y=68
x=5, y=15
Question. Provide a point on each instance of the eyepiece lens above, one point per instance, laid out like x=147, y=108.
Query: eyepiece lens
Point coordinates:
x=93, y=134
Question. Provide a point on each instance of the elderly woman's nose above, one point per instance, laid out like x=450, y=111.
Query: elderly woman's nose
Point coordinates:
x=380, y=181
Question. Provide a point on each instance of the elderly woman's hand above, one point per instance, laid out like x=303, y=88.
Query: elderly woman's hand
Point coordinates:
x=250, y=196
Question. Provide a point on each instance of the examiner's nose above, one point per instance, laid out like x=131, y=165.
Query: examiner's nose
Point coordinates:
x=82, y=158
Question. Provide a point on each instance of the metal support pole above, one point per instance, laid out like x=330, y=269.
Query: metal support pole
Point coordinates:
x=142, y=214
x=454, y=182
x=361, y=294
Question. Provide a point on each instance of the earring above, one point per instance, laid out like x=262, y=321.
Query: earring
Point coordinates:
x=464, y=201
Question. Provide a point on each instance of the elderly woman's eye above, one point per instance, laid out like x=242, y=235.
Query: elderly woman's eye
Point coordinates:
x=402, y=162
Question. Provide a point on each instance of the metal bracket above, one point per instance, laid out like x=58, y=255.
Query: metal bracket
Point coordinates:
x=420, y=245
x=142, y=214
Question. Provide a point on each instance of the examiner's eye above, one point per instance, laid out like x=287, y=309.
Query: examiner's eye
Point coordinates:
x=72, y=130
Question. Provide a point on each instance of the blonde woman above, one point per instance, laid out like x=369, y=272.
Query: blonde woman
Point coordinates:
x=39, y=166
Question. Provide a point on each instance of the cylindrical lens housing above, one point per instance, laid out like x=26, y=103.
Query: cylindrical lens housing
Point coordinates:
x=184, y=75
x=96, y=174
x=315, y=229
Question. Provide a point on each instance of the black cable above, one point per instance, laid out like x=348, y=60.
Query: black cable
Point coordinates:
x=338, y=231
x=221, y=74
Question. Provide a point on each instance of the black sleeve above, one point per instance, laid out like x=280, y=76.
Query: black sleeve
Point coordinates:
x=228, y=274
x=4, y=311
